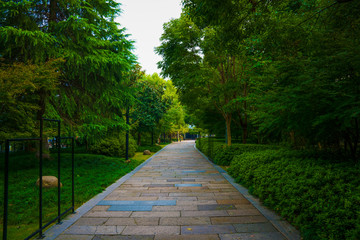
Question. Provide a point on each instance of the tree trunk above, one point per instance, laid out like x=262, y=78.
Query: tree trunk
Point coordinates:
x=178, y=136
x=152, y=137
x=139, y=139
x=245, y=134
x=228, y=128
x=53, y=10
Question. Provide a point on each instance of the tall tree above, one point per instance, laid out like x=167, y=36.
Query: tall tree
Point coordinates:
x=95, y=50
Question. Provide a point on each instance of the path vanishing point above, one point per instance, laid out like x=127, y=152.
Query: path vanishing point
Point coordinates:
x=176, y=194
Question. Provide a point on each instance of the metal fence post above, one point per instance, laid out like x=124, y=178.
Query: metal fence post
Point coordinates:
x=127, y=135
x=59, y=176
x=72, y=175
x=6, y=189
x=40, y=177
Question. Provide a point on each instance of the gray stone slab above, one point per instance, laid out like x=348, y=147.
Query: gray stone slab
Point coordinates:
x=90, y=221
x=87, y=230
x=255, y=227
x=139, y=203
x=151, y=230
x=185, y=221
x=181, y=180
x=120, y=237
x=158, y=185
x=156, y=214
x=216, y=207
x=253, y=236
x=75, y=237
x=187, y=237
x=216, y=213
x=108, y=230
x=107, y=214
x=208, y=229
x=188, y=185
x=130, y=208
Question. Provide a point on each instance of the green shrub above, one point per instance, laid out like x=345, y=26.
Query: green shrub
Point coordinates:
x=151, y=148
x=319, y=196
x=113, y=147
x=209, y=146
x=222, y=154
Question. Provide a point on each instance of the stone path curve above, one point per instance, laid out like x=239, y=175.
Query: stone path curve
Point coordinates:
x=177, y=194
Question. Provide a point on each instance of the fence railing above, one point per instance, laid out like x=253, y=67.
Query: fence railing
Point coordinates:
x=6, y=180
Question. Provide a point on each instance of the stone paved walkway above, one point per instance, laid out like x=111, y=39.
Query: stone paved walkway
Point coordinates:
x=177, y=195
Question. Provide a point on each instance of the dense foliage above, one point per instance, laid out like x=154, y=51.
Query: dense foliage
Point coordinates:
x=114, y=146
x=84, y=89
x=313, y=190
x=320, y=196
x=279, y=70
x=222, y=154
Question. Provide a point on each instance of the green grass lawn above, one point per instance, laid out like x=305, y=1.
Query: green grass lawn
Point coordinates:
x=93, y=173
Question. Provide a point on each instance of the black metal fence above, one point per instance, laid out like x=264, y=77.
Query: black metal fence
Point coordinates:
x=6, y=182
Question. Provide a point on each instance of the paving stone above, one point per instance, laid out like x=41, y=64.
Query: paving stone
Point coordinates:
x=135, y=199
x=175, y=208
x=81, y=230
x=254, y=227
x=90, y=221
x=187, y=237
x=194, y=171
x=233, y=201
x=244, y=212
x=179, y=203
x=204, y=213
x=188, y=185
x=156, y=214
x=228, y=194
x=207, y=229
x=120, y=237
x=100, y=208
x=151, y=230
x=179, y=198
x=243, y=219
x=120, y=222
x=185, y=221
x=216, y=207
x=154, y=194
x=253, y=236
x=75, y=237
x=107, y=214
x=181, y=180
x=109, y=230
x=158, y=185
x=147, y=221
x=130, y=208
x=140, y=203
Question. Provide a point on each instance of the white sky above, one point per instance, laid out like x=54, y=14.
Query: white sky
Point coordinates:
x=144, y=20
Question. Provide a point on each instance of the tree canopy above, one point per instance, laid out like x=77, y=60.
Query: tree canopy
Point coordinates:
x=281, y=71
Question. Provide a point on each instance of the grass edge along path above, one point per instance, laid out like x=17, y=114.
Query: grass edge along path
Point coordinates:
x=93, y=174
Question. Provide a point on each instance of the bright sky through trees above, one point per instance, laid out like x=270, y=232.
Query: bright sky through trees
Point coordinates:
x=144, y=20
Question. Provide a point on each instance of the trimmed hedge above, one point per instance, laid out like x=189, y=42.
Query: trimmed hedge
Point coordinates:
x=113, y=147
x=320, y=196
x=222, y=154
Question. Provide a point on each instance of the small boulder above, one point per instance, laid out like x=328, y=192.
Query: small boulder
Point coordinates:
x=48, y=182
x=147, y=152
